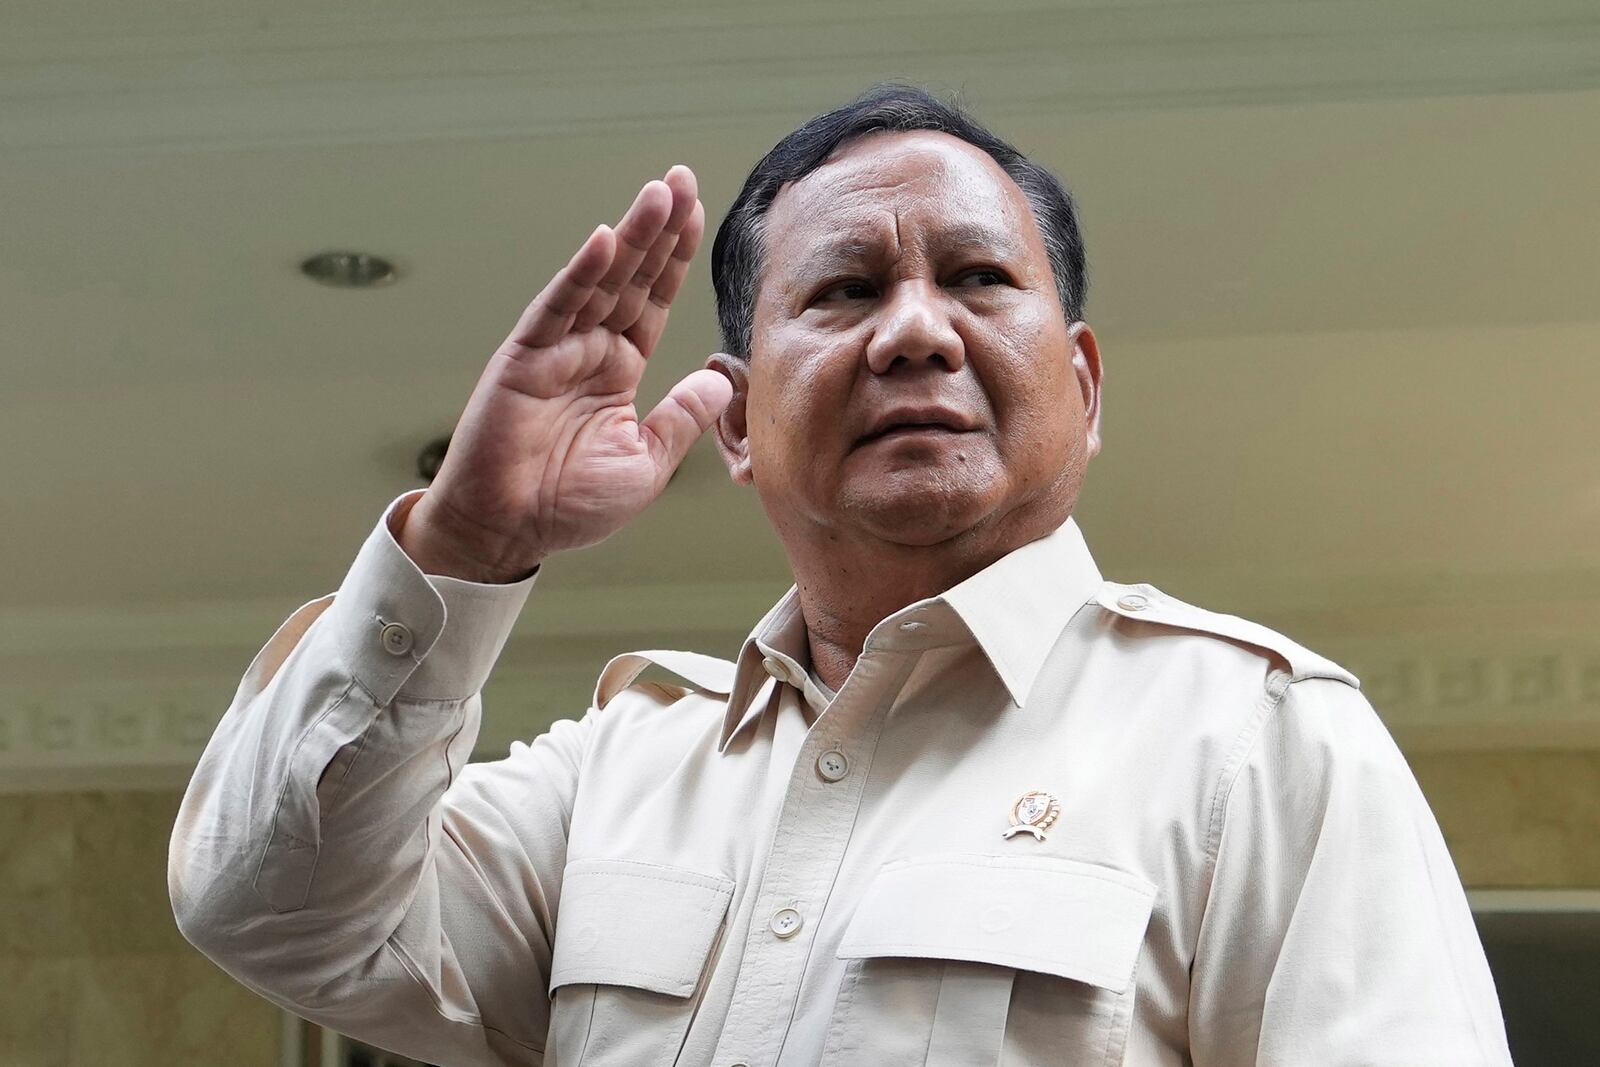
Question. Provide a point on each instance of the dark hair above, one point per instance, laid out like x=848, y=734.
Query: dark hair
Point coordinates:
x=736, y=253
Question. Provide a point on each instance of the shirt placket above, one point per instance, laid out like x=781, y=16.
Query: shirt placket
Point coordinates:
x=813, y=831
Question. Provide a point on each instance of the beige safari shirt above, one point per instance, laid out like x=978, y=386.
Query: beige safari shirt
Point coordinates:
x=1224, y=859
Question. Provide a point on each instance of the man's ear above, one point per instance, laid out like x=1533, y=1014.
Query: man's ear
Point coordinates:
x=1090, y=375
x=732, y=430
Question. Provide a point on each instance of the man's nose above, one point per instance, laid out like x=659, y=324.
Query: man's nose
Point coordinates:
x=915, y=329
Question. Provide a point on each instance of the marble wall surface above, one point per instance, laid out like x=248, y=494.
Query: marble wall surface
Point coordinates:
x=95, y=971
x=1526, y=819
x=92, y=967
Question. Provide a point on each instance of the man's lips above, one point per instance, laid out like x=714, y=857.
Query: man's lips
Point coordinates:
x=910, y=429
x=906, y=422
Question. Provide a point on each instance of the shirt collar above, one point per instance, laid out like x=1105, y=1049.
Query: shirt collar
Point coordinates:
x=1014, y=609
x=781, y=628
x=1017, y=606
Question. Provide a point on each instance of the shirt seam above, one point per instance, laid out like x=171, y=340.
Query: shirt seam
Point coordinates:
x=577, y=784
x=1117, y=1033
x=1249, y=737
x=836, y=1043
x=1080, y=868
x=355, y=680
x=461, y=1018
x=724, y=887
x=402, y=699
x=916, y=949
x=603, y=975
x=326, y=810
x=273, y=830
x=471, y=863
x=887, y=703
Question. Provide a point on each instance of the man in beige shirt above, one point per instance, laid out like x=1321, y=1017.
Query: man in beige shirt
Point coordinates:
x=957, y=800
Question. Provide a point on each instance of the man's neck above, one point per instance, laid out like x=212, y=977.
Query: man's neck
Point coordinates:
x=848, y=586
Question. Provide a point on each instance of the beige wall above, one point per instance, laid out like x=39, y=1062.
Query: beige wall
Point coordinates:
x=96, y=973
x=92, y=968
x=1526, y=819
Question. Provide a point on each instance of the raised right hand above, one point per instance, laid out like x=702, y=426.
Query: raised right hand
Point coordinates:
x=550, y=453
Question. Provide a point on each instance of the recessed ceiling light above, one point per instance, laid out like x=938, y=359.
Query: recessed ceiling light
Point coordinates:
x=349, y=270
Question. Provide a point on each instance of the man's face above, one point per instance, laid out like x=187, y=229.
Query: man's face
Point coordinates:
x=911, y=375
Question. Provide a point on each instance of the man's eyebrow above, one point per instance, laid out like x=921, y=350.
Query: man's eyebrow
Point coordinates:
x=837, y=253
x=845, y=252
x=968, y=236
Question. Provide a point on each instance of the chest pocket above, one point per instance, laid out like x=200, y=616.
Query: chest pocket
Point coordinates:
x=978, y=960
x=632, y=941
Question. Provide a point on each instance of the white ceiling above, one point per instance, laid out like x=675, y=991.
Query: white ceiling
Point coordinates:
x=1344, y=256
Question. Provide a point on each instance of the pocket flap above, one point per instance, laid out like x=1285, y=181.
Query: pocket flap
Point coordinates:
x=645, y=925
x=1056, y=916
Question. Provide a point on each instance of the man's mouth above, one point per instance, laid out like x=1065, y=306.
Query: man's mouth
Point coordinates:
x=911, y=422
x=910, y=429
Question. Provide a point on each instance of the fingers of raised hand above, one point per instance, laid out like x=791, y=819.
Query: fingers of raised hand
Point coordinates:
x=651, y=317
x=551, y=314
x=623, y=273
x=645, y=237
x=631, y=298
x=636, y=232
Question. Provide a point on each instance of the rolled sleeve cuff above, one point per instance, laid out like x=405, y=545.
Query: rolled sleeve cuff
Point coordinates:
x=407, y=635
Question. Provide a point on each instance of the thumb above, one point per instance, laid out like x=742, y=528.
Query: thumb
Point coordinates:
x=682, y=416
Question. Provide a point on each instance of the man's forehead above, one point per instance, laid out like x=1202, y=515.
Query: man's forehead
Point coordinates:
x=887, y=155
x=869, y=180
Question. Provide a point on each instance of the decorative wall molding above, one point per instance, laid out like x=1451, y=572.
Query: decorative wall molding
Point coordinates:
x=109, y=699
x=182, y=77
x=1523, y=680
x=123, y=697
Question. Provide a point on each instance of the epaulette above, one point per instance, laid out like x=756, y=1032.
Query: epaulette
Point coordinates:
x=1146, y=603
x=701, y=672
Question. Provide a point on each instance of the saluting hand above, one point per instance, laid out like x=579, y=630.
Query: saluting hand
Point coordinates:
x=550, y=453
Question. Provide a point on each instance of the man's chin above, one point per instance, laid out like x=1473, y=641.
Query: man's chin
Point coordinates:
x=919, y=516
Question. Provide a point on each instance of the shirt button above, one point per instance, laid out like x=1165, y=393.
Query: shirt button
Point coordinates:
x=832, y=766
x=785, y=922
x=774, y=668
x=397, y=639
x=911, y=627
x=1134, y=602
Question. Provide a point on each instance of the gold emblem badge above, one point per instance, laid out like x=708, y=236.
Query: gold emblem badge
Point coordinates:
x=1033, y=813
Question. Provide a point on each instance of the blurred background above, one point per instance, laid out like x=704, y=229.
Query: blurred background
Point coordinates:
x=1345, y=260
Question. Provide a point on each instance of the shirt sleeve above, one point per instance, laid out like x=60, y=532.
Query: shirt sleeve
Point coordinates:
x=1336, y=930
x=334, y=851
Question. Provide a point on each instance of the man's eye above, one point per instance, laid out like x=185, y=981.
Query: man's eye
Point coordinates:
x=983, y=276
x=847, y=290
